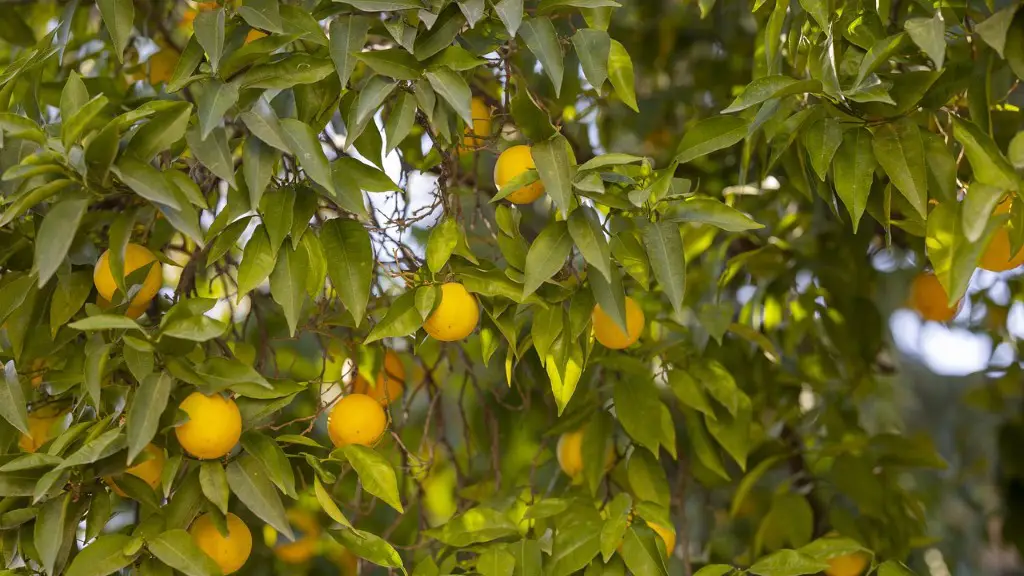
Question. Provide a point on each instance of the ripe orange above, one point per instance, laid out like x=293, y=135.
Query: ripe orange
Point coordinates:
x=456, y=316
x=161, y=66
x=390, y=382
x=40, y=427
x=570, y=454
x=847, y=565
x=511, y=163
x=213, y=428
x=356, y=419
x=135, y=257
x=476, y=135
x=929, y=299
x=229, y=552
x=610, y=335
x=997, y=256
x=254, y=35
x=150, y=470
x=307, y=538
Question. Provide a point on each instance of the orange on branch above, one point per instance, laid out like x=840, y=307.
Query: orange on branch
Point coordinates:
x=929, y=299
x=40, y=428
x=150, y=471
x=135, y=257
x=162, y=65
x=356, y=419
x=570, y=454
x=997, y=256
x=476, y=134
x=229, y=552
x=610, y=334
x=511, y=163
x=390, y=382
x=456, y=316
x=254, y=35
x=307, y=538
x=848, y=565
x=213, y=428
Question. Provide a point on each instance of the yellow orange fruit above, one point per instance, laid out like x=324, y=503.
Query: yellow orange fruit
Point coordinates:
x=390, y=382
x=456, y=316
x=997, y=256
x=610, y=335
x=476, y=135
x=356, y=419
x=229, y=552
x=150, y=471
x=135, y=257
x=162, y=65
x=213, y=428
x=847, y=565
x=40, y=427
x=929, y=299
x=254, y=35
x=668, y=536
x=511, y=163
x=307, y=538
x=570, y=454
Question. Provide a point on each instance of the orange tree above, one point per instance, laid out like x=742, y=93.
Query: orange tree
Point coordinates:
x=474, y=287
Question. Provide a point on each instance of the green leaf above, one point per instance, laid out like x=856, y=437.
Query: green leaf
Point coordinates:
x=162, y=131
x=639, y=410
x=370, y=547
x=511, y=14
x=106, y=444
x=821, y=139
x=273, y=458
x=713, y=212
x=665, y=249
x=930, y=36
x=994, y=28
x=118, y=17
x=577, y=541
x=564, y=365
x=264, y=124
x=69, y=297
x=146, y=181
x=610, y=296
x=375, y=474
x=787, y=563
x=287, y=73
x=439, y=37
x=620, y=72
x=593, y=47
x=187, y=63
x=496, y=562
x=748, y=482
x=617, y=513
x=248, y=480
x=768, y=87
x=854, y=168
x=400, y=120
x=209, y=31
x=74, y=126
x=877, y=55
x=733, y=432
x=542, y=39
x=371, y=97
x=453, y=88
x=647, y=478
x=258, y=166
x=546, y=256
x=177, y=549
x=585, y=230
x=441, y=243
x=144, y=412
x=257, y=263
x=303, y=142
x=215, y=99
x=12, y=399
x=262, y=14
x=55, y=235
x=899, y=149
x=952, y=256
x=554, y=165
x=474, y=526
x=349, y=254
x=978, y=205
x=641, y=552
x=288, y=284
x=987, y=161
x=532, y=121
x=710, y=135
x=104, y=555
x=701, y=444
x=394, y=62
x=213, y=152
x=402, y=319
x=328, y=503
x=893, y=568
x=48, y=532
x=214, y=482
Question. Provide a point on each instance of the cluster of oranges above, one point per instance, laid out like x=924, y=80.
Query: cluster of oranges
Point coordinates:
x=929, y=298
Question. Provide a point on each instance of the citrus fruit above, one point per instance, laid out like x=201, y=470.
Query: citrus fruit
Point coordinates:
x=928, y=298
x=307, y=538
x=570, y=454
x=390, y=382
x=213, y=428
x=610, y=335
x=229, y=552
x=511, y=163
x=997, y=256
x=356, y=419
x=135, y=257
x=150, y=471
x=847, y=565
x=455, y=317
x=40, y=428
x=668, y=536
x=254, y=35
x=475, y=136
x=161, y=66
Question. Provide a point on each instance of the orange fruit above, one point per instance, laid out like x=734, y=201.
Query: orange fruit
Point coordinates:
x=476, y=135
x=356, y=419
x=511, y=163
x=135, y=257
x=847, y=565
x=229, y=552
x=610, y=335
x=570, y=454
x=213, y=428
x=150, y=470
x=997, y=256
x=390, y=382
x=929, y=299
x=456, y=316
